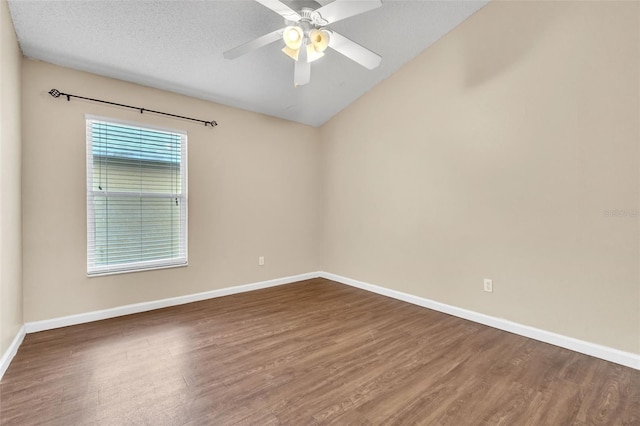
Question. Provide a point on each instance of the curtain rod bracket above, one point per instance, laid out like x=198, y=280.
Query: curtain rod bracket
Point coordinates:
x=56, y=94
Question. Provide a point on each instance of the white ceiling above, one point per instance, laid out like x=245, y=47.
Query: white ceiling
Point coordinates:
x=178, y=45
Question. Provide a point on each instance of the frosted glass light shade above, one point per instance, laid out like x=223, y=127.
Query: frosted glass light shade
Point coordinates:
x=292, y=53
x=292, y=37
x=313, y=54
x=319, y=39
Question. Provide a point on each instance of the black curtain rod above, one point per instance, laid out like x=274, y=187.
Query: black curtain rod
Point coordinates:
x=56, y=94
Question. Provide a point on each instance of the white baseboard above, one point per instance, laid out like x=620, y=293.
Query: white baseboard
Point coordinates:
x=11, y=351
x=603, y=352
x=32, y=327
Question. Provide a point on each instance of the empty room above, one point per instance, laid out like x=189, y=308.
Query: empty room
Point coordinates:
x=319, y=212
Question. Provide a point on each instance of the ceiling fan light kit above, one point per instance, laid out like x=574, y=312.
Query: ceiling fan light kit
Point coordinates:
x=317, y=39
x=306, y=37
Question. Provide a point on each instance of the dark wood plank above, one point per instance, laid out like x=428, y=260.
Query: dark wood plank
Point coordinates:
x=314, y=352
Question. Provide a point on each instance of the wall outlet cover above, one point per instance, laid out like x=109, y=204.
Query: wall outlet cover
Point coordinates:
x=488, y=285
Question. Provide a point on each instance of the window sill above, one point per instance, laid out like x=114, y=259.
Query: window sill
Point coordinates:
x=129, y=271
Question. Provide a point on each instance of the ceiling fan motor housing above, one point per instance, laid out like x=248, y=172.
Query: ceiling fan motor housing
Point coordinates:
x=309, y=19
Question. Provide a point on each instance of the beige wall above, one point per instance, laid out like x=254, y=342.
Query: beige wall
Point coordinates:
x=10, y=170
x=253, y=191
x=497, y=153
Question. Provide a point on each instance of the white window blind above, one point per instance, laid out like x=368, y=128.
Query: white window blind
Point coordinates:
x=136, y=197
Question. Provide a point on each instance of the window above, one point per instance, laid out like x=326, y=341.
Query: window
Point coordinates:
x=136, y=197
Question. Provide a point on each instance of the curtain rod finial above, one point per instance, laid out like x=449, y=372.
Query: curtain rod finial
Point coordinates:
x=55, y=93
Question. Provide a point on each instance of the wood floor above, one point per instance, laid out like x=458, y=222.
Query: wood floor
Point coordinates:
x=314, y=352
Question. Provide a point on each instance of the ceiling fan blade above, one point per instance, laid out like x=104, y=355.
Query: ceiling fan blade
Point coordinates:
x=341, y=9
x=302, y=73
x=354, y=51
x=281, y=9
x=302, y=70
x=254, y=44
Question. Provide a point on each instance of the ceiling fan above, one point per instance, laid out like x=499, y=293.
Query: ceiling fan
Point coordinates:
x=306, y=35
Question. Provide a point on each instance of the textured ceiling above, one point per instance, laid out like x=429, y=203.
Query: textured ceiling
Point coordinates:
x=178, y=45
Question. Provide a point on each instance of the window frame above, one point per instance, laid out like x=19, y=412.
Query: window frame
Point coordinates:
x=146, y=265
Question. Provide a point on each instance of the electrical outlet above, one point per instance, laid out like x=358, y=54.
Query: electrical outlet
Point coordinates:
x=261, y=261
x=488, y=285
